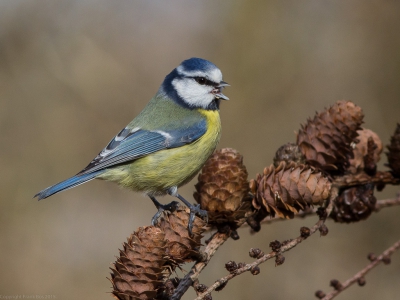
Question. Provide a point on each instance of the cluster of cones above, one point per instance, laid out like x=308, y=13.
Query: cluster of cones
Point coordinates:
x=152, y=253
x=328, y=146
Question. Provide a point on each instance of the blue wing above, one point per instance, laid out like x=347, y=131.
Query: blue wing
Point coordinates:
x=129, y=144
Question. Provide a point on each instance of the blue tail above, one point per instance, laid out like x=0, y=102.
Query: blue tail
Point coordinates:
x=67, y=184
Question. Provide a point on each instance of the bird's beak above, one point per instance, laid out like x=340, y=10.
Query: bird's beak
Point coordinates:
x=218, y=91
x=223, y=84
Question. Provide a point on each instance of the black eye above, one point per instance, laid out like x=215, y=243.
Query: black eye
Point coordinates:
x=200, y=80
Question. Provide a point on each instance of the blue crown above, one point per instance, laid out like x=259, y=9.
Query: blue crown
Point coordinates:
x=194, y=63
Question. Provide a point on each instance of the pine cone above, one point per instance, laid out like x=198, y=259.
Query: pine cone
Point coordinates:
x=138, y=272
x=222, y=187
x=354, y=204
x=287, y=189
x=180, y=247
x=394, y=152
x=357, y=163
x=326, y=140
x=289, y=152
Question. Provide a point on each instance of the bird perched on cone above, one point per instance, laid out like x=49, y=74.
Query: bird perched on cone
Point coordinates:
x=165, y=146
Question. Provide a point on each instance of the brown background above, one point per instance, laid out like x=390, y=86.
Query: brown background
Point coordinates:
x=73, y=73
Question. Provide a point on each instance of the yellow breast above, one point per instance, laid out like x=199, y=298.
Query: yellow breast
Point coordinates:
x=213, y=133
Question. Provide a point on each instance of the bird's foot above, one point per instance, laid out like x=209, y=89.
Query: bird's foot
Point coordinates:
x=171, y=207
x=196, y=210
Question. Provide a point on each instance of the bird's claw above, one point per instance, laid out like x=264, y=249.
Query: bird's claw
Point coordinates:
x=171, y=207
x=196, y=210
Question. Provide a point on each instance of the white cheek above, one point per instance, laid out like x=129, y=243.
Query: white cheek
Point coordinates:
x=194, y=94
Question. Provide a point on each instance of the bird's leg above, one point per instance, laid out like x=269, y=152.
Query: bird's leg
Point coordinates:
x=161, y=207
x=194, y=209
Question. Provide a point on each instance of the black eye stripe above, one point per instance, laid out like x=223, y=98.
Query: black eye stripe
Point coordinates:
x=204, y=81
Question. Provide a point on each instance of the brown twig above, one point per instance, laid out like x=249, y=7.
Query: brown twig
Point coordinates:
x=268, y=220
x=388, y=202
x=310, y=212
x=386, y=254
x=214, y=243
x=301, y=215
x=380, y=178
x=286, y=247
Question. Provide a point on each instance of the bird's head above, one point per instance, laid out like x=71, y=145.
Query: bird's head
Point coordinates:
x=195, y=83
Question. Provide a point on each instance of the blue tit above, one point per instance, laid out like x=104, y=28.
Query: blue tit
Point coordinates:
x=166, y=145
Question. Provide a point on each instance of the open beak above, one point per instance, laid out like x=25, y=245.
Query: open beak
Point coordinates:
x=218, y=90
x=223, y=84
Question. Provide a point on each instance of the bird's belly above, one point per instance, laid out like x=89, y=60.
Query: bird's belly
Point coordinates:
x=158, y=172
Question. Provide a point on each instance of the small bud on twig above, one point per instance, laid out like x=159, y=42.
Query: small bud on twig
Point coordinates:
x=222, y=285
x=255, y=270
x=319, y=294
x=386, y=260
x=361, y=281
x=280, y=259
x=323, y=230
x=231, y=266
x=371, y=256
x=201, y=288
x=256, y=253
x=336, y=284
x=275, y=245
x=304, y=232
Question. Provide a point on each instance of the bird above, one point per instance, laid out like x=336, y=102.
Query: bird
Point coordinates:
x=167, y=143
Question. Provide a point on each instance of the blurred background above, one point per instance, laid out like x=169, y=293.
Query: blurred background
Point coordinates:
x=73, y=73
